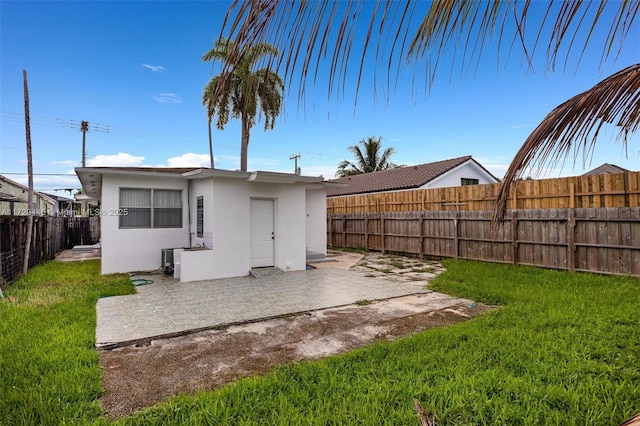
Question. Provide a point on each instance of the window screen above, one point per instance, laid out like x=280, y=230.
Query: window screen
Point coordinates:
x=150, y=208
x=468, y=181
x=135, y=205
x=167, y=208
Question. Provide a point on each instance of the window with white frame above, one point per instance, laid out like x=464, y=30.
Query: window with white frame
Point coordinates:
x=468, y=181
x=150, y=208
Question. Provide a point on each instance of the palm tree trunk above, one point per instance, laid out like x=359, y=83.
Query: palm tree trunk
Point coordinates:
x=244, y=144
x=30, y=212
x=210, y=145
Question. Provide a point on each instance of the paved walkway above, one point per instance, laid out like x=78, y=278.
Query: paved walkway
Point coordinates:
x=168, y=307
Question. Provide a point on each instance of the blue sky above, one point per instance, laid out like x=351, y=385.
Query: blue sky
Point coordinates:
x=136, y=69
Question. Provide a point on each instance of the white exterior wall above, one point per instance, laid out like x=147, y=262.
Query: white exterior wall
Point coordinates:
x=229, y=224
x=127, y=250
x=316, y=220
x=453, y=177
x=202, y=188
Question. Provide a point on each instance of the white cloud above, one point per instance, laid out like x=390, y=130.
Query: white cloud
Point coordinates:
x=121, y=159
x=232, y=162
x=498, y=170
x=68, y=163
x=168, y=98
x=497, y=166
x=328, y=172
x=190, y=160
x=154, y=68
x=48, y=183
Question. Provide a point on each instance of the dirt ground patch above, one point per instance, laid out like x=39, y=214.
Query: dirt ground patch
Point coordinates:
x=139, y=376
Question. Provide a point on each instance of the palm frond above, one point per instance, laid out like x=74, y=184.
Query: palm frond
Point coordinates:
x=314, y=36
x=575, y=125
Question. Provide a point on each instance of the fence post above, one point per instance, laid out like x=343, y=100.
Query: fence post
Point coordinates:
x=514, y=237
x=382, y=225
x=366, y=231
x=421, y=239
x=571, y=234
x=344, y=230
x=455, y=232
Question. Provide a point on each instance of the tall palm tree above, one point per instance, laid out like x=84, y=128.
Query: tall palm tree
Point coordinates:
x=400, y=31
x=369, y=158
x=240, y=90
x=208, y=104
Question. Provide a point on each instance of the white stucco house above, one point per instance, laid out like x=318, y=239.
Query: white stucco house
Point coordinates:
x=220, y=223
x=440, y=174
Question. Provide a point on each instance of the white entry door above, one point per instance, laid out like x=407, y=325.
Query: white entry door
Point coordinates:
x=262, y=233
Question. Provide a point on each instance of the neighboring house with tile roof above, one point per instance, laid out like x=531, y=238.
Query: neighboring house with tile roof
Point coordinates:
x=606, y=168
x=13, y=199
x=215, y=223
x=440, y=174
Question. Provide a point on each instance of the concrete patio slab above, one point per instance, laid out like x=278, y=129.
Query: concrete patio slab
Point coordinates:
x=168, y=307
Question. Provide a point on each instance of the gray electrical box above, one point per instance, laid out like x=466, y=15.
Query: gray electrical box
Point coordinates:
x=167, y=261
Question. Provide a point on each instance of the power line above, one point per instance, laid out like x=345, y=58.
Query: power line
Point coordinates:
x=41, y=174
x=84, y=127
x=71, y=123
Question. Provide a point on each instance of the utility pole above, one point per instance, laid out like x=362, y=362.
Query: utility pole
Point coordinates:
x=295, y=157
x=84, y=127
x=30, y=212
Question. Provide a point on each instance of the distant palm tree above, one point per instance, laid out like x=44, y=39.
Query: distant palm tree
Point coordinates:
x=397, y=32
x=239, y=90
x=369, y=159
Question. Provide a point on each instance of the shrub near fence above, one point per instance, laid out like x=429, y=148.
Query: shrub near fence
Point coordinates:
x=594, y=240
x=595, y=191
x=51, y=235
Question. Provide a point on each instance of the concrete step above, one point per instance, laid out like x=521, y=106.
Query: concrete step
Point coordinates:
x=265, y=272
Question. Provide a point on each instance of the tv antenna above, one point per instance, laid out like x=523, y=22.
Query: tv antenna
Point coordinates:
x=84, y=127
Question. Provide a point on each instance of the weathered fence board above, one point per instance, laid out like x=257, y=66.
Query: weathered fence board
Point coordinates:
x=51, y=234
x=605, y=240
x=597, y=191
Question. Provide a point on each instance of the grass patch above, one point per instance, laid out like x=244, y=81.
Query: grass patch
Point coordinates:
x=49, y=370
x=563, y=349
x=398, y=264
x=363, y=302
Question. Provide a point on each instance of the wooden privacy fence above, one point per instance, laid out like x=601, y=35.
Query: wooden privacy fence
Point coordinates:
x=592, y=240
x=50, y=236
x=597, y=191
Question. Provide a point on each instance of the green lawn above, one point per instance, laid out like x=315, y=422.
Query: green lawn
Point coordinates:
x=49, y=370
x=563, y=349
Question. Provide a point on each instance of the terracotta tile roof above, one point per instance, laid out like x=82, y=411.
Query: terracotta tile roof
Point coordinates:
x=393, y=179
